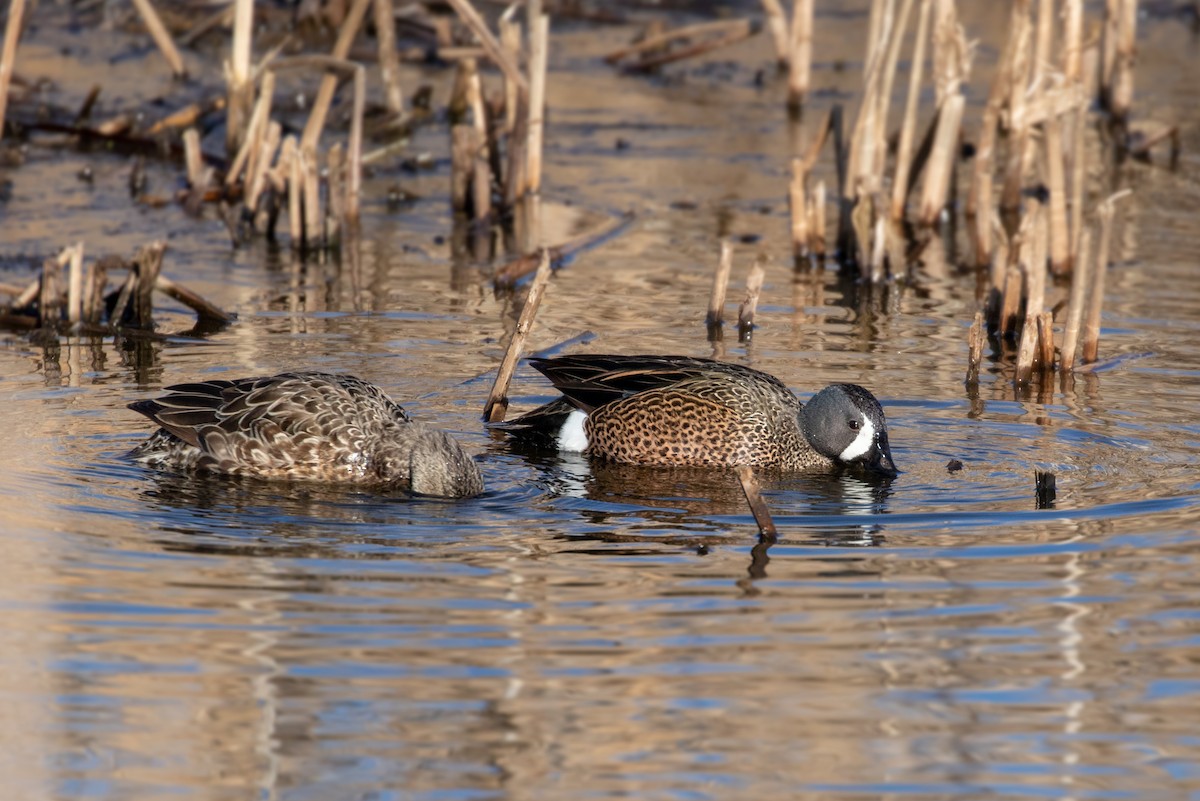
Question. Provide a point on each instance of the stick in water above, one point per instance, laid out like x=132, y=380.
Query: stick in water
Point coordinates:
x=497, y=402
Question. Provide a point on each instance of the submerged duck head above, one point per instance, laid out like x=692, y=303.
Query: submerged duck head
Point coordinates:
x=845, y=423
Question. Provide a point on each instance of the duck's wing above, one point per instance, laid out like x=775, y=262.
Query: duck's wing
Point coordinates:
x=296, y=404
x=591, y=381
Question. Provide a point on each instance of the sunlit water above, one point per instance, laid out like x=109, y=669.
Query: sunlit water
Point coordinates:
x=591, y=631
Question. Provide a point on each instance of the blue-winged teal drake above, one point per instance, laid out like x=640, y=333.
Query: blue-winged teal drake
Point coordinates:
x=308, y=427
x=678, y=410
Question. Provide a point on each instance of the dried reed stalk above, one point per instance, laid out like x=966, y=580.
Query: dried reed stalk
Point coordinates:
x=800, y=56
x=1091, y=328
x=1081, y=276
x=311, y=187
x=240, y=85
x=204, y=308
x=162, y=37
x=389, y=63
x=258, y=176
x=74, y=257
x=935, y=194
x=1032, y=251
x=295, y=185
x=539, y=46
x=777, y=26
x=354, y=153
x=749, y=306
x=1078, y=179
x=798, y=209
x=50, y=293
x=481, y=170
x=510, y=41
x=716, y=298
x=758, y=507
x=1073, y=37
x=341, y=49
x=1018, y=86
x=1123, y=31
x=862, y=180
x=147, y=264
x=975, y=342
x=816, y=209
x=255, y=130
x=467, y=13
x=654, y=45
x=193, y=159
x=8, y=57
x=909, y=126
x=497, y=403
x=1056, y=182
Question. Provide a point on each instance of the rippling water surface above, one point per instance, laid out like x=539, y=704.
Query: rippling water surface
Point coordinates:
x=590, y=631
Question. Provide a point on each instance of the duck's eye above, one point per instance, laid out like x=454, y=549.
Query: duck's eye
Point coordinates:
x=854, y=424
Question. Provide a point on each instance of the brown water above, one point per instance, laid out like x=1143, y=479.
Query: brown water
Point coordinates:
x=591, y=632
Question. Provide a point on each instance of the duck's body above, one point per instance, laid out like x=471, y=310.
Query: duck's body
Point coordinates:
x=679, y=410
x=304, y=426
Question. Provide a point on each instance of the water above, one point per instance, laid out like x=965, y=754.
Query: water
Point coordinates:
x=584, y=631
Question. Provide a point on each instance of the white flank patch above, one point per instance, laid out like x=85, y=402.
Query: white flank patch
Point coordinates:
x=862, y=443
x=572, y=437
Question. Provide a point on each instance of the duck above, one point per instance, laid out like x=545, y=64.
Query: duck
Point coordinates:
x=304, y=426
x=688, y=411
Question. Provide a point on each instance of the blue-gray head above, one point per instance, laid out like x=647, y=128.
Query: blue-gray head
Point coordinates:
x=845, y=423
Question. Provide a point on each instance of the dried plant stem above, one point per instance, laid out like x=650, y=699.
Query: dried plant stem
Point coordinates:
x=162, y=37
x=255, y=130
x=8, y=57
x=1078, y=179
x=716, y=298
x=1073, y=36
x=1018, y=85
x=1080, y=278
x=193, y=158
x=480, y=159
x=798, y=207
x=467, y=13
x=74, y=257
x=389, y=63
x=758, y=507
x=777, y=26
x=1091, y=327
x=341, y=49
x=800, y=54
x=909, y=126
x=497, y=403
x=239, y=80
x=975, y=341
x=655, y=43
x=1056, y=182
x=1119, y=88
x=204, y=308
x=539, y=45
x=1032, y=251
x=749, y=307
x=816, y=209
x=936, y=188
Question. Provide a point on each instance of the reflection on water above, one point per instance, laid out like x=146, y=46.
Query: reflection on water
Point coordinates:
x=590, y=630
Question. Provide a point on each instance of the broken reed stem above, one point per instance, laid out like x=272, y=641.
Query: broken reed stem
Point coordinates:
x=354, y=153
x=716, y=299
x=295, y=184
x=734, y=30
x=798, y=208
x=975, y=341
x=800, y=54
x=1080, y=277
x=510, y=41
x=12, y=33
x=74, y=256
x=539, y=45
x=389, y=62
x=749, y=306
x=497, y=403
x=1073, y=36
x=240, y=83
x=470, y=17
x=310, y=183
x=935, y=193
x=341, y=49
x=479, y=160
x=1119, y=89
x=1091, y=328
x=1032, y=257
x=816, y=208
x=758, y=507
x=193, y=158
x=162, y=37
x=909, y=126
x=777, y=26
x=255, y=130
x=205, y=309
x=1017, y=79
x=1056, y=182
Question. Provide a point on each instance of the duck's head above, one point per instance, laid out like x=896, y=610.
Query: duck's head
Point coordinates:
x=438, y=467
x=845, y=423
